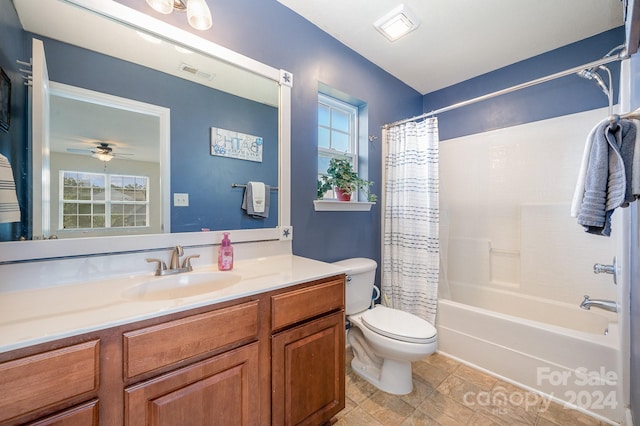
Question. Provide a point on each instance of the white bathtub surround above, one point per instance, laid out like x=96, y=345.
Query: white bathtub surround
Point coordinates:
x=519, y=266
x=411, y=234
x=509, y=211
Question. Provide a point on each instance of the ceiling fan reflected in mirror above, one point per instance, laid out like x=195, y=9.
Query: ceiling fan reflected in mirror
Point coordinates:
x=102, y=152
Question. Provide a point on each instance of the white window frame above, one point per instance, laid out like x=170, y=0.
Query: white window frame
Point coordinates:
x=352, y=153
x=108, y=202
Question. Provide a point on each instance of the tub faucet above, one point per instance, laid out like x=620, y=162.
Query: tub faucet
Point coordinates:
x=607, y=305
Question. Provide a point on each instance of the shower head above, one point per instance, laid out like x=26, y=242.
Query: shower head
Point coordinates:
x=592, y=74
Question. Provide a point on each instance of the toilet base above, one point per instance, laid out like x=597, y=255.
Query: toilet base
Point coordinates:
x=392, y=376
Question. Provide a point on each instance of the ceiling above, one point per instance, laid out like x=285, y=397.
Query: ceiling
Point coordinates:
x=78, y=125
x=459, y=40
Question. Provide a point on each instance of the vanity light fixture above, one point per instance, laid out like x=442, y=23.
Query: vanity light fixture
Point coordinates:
x=397, y=23
x=198, y=13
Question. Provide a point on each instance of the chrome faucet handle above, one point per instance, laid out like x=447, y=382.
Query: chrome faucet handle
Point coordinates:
x=186, y=263
x=161, y=265
x=175, y=257
x=599, y=268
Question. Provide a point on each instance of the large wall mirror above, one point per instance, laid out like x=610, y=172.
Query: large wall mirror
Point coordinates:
x=215, y=99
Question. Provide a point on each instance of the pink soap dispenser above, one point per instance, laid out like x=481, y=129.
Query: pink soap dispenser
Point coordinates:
x=225, y=254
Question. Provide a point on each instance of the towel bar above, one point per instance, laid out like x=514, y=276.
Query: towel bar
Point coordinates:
x=238, y=185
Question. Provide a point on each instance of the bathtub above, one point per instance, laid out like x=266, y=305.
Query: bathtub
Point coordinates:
x=551, y=348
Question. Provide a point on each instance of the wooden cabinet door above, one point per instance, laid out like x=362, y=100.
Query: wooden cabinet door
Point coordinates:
x=308, y=372
x=222, y=390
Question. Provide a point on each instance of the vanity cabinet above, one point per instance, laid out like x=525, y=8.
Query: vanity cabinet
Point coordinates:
x=308, y=361
x=274, y=358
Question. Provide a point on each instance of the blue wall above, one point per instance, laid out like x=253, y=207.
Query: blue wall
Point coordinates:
x=559, y=97
x=194, y=109
x=12, y=143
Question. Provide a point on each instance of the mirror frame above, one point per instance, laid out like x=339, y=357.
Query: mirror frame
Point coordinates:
x=42, y=250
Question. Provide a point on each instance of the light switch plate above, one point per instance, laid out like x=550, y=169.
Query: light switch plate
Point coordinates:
x=180, y=199
x=286, y=233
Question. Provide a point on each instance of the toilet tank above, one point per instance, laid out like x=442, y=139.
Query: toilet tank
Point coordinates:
x=361, y=275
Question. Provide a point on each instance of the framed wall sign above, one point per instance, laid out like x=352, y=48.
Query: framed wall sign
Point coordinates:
x=227, y=143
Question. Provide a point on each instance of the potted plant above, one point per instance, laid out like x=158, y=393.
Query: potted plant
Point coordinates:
x=342, y=179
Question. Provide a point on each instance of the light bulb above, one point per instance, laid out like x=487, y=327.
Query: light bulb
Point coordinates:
x=103, y=157
x=198, y=14
x=162, y=6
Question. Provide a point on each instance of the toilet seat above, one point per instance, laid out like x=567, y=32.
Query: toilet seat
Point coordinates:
x=398, y=325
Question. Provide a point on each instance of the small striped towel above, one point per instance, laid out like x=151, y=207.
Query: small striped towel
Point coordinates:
x=9, y=208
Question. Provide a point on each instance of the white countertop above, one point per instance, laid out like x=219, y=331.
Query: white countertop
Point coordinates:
x=39, y=315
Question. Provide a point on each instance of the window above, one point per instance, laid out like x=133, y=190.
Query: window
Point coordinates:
x=100, y=200
x=337, y=133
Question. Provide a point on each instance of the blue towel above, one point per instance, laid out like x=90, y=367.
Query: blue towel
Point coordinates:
x=608, y=177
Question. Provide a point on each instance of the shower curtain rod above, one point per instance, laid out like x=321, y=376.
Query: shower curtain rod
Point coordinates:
x=619, y=57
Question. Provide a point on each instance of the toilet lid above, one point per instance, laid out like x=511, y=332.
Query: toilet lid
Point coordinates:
x=398, y=325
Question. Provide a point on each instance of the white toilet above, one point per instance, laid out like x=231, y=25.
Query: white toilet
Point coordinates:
x=384, y=340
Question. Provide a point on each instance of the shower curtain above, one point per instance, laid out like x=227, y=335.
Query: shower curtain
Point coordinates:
x=411, y=235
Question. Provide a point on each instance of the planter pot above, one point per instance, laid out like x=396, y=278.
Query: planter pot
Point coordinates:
x=341, y=195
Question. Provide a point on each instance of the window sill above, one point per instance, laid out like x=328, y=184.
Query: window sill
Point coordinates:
x=341, y=206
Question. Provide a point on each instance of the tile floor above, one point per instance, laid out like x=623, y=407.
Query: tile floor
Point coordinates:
x=438, y=398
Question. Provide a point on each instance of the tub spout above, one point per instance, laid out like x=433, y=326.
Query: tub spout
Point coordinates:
x=607, y=305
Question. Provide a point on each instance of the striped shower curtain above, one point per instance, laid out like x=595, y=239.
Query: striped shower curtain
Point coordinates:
x=410, y=237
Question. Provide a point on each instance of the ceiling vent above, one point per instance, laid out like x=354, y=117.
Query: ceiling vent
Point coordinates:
x=397, y=23
x=196, y=72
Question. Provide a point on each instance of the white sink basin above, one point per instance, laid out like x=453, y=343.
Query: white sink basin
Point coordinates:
x=186, y=284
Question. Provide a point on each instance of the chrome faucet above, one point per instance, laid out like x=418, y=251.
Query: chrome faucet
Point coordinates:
x=174, y=264
x=175, y=257
x=607, y=305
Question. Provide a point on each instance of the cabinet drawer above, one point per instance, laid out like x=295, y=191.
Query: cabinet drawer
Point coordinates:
x=298, y=305
x=37, y=381
x=165, y=344
x=83, y=415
